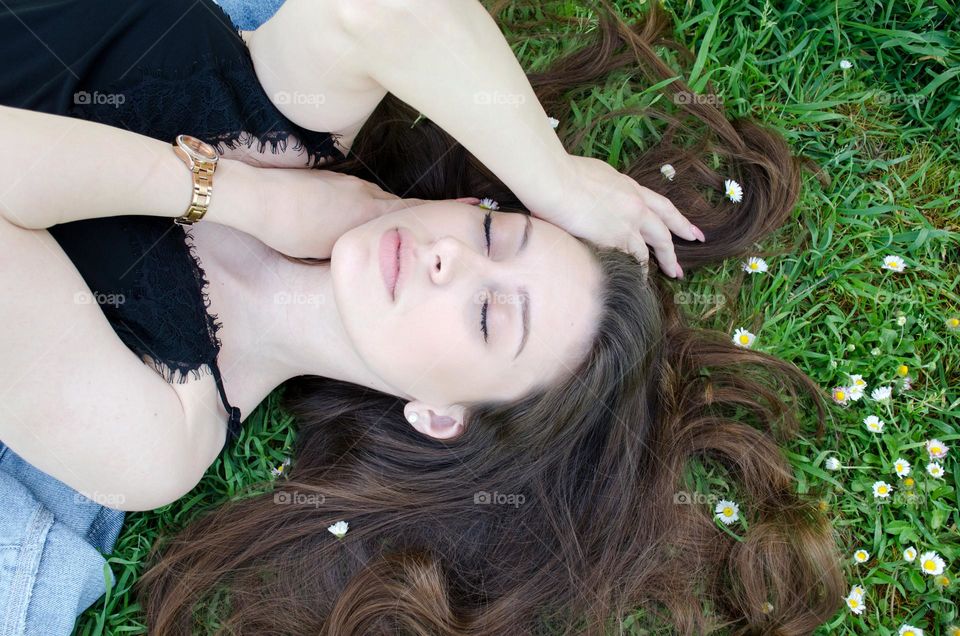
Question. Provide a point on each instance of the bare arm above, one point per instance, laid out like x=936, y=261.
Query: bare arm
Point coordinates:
x=77, y=169
x=79, y=405
x=446, y=58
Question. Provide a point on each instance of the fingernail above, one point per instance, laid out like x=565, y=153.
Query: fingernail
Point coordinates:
x=698, y=233
x=679, y=271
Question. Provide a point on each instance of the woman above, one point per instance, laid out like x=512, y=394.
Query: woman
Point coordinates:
x=422, y=554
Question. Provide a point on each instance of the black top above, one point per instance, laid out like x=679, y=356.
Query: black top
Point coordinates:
x=159, y=68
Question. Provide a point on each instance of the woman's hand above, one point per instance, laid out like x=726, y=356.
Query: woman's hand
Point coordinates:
x=611, y=209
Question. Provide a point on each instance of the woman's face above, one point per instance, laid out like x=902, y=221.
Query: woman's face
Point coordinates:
x=466, y=323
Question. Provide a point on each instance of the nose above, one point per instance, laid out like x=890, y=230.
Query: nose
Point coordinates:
x=449, y=258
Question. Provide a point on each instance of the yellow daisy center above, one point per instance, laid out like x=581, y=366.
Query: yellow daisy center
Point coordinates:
x=840, y=395
x=882, y=490
x=728, y=512
x=754, y=266
x=854, y=603
x=955, y=322
x=902, y=369
x=908, y=481
x=909, y=632
x=942, y=580
x=935, y=450
x=744, y=338
x=929, y=565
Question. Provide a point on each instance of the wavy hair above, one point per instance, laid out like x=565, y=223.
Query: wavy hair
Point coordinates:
x=564, y=511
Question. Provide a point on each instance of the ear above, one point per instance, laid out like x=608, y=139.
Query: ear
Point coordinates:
x=438, y=422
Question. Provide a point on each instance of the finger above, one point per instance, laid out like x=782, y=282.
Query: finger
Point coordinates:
x=638, y=249
x=671, y=216
x=468, y=200
x=658, y=236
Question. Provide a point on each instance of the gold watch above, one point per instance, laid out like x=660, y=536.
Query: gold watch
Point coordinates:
x=201, y=158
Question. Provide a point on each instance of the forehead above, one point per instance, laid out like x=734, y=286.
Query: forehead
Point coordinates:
x=563, y=280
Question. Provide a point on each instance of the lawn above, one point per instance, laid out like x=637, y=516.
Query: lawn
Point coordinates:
x=871, y=92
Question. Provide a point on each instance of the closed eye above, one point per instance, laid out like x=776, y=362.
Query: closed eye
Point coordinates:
x=487, y=220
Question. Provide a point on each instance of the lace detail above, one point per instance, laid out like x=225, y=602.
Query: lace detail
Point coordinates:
x=207, y=100
x=169, y=308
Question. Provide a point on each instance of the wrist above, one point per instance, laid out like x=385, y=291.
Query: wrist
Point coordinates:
x=233, y=201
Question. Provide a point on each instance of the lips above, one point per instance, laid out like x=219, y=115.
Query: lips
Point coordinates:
x=389, y=260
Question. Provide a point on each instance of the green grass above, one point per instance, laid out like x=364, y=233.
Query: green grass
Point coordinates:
x=824, y=304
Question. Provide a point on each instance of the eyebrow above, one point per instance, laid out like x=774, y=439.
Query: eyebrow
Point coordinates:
x=522, y=291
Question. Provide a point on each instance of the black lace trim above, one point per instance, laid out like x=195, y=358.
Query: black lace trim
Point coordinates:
x=207, y=100
x=170, y=299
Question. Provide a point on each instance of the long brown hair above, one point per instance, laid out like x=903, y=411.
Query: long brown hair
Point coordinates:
x=563, y=511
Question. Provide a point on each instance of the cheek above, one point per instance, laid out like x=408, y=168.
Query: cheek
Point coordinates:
x=422, y=351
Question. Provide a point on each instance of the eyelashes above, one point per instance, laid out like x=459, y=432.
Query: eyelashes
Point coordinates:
x=487, y=220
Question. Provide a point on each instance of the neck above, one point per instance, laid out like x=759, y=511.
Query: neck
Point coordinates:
x=280, y=320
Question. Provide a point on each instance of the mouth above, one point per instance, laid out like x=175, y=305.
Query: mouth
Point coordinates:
x=390, y=257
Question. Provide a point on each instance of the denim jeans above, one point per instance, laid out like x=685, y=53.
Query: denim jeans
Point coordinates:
x=51, y=539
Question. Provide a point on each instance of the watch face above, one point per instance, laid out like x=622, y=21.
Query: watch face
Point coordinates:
x=197, y=148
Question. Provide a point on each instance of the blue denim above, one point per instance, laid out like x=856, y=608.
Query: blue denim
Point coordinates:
x=247, y=15
x=51, y=539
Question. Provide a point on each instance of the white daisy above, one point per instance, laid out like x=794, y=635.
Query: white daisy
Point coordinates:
x=936, y=449
x=855, y=602
x=276, y=472
x=743, y=338
x=935, y=470
x=873, y=423
x=931, y=563
x=861, y=556
x=857, y=589
x=553, y=122
x=881, y=489
x=668, y=171
x=755, y=265
x=767, y=607
x=489, y=204
x=906, y=384
x=901, y=321
x=902, y=467
x=854, y=392
x=910, y=630
x=840, y=394
x=953, y=324
x=893, y=263
x=832, y=463
x=845, y=64
x=881, y=393
x=727, y=511
x=857, y=381
x=910, y=554
x=339, y=529
x=733, y=190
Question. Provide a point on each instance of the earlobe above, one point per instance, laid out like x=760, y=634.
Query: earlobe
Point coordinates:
x=446, y=424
